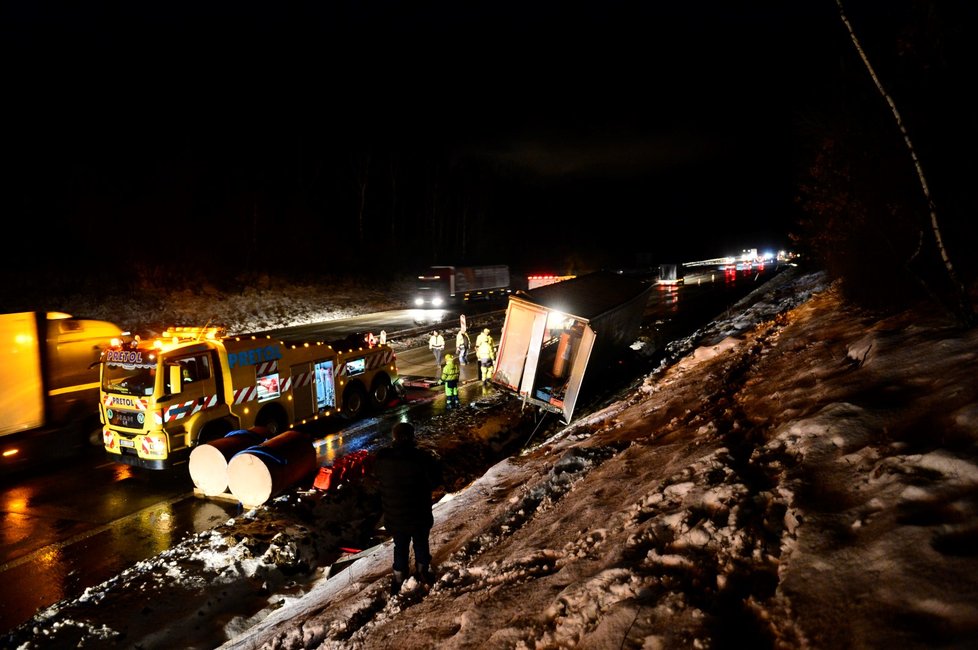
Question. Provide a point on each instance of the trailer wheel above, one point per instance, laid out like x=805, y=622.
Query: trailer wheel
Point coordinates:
x=354, y=401
x=380, y=394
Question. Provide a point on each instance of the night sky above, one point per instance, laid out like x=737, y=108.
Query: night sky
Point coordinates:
x=549, y=135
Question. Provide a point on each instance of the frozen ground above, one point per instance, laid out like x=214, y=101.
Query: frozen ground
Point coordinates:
x=800, y=475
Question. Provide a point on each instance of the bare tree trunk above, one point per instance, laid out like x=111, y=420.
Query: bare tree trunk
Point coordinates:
x=967, y=313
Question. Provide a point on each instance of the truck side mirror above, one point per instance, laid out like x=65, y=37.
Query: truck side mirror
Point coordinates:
x=173, y=377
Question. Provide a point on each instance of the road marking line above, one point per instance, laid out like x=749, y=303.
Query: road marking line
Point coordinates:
x=13, y=564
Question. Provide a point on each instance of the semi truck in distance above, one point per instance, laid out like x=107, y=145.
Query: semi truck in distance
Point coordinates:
x=443, y=286
x=161, y=398
x=671, y=274
x=538, y=280
x=49, y=385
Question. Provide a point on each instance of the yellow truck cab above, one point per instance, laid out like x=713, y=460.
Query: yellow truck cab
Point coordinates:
x=161, y=398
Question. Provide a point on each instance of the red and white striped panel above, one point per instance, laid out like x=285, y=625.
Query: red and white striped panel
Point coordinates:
x=247, y=394
x=266, y=367
x=297, y=381
x=179, y=411
x=184, y=409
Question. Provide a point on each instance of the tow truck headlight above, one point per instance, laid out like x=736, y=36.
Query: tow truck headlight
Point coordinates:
x=437, y=302
x=418, y=302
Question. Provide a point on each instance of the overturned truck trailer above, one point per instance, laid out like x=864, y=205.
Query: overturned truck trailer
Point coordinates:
x=557, y=336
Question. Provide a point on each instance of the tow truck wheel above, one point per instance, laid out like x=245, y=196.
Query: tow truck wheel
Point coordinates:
x=381, y=392
x=354, y=401
x=213, y=431
x=274, y=422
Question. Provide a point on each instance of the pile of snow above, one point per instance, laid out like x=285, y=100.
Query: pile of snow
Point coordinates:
x=799, y=474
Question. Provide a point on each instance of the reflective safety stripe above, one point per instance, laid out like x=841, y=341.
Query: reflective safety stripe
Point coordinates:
x=243, y=395
x=266, y=367
x=299, y=380
x=182, y=410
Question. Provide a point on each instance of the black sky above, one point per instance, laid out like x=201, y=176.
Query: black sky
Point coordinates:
x=635, y=129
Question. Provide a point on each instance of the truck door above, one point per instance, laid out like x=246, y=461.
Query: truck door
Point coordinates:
x=191, y=378
x=302, y=390
x=579, y=361
x=519, y=346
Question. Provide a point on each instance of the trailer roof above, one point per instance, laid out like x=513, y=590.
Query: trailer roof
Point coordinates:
x=588, y=296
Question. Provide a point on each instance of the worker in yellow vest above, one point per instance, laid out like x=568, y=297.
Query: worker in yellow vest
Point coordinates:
x=449, y=377
x=487, y=357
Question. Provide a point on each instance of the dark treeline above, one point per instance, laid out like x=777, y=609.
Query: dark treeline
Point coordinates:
x=865, y=213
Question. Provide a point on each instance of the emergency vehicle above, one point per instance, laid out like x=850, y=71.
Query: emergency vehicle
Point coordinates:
x=160, y=398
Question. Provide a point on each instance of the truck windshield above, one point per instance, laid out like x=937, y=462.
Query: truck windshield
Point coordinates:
x=128, y=379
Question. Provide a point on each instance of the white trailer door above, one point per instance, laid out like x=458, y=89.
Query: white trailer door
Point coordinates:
x=577, y=373
x=537, y=331
x=513, y=368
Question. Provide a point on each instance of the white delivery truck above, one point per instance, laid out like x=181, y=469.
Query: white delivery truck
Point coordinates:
x=560, y=336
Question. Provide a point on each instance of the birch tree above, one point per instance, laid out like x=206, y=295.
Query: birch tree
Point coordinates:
x=965, y=311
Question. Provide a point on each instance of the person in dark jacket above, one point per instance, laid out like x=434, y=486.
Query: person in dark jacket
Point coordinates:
x=407, y=477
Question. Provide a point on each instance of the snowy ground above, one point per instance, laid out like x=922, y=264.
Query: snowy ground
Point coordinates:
x=800, y=475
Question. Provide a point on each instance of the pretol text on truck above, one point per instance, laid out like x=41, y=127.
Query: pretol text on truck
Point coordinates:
x=441, y=286
x=49, y=384
x=161, y=398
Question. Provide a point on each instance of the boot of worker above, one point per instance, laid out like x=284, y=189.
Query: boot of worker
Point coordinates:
x=425, y=575
x=397, y=581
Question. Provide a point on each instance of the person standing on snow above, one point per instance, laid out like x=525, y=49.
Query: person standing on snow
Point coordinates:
x=462, y=345
x=407, y=477
x=437, y=346
x=449, y=377
x=487, y=356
